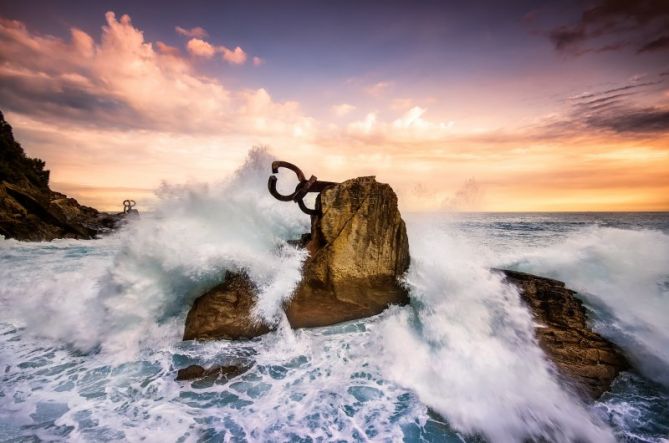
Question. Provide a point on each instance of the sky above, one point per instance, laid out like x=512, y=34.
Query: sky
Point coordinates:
x=459, y=105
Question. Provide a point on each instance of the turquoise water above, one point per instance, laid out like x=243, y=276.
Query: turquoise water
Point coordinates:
x=90, y=332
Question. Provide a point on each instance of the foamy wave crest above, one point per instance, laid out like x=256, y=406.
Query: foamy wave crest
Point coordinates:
x=167, y=259
x=468, y=350
x=623, y=272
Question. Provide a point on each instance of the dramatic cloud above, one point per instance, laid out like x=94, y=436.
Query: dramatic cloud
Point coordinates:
x=123, y=81
x=115, y=114
x=196, y=32
x=613, y=110
x=615, y=24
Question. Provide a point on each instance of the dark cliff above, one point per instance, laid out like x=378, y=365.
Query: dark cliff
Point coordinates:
x=29, y=209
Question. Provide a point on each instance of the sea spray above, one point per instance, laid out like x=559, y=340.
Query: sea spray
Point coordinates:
x=468, y=349
x=625, y=274
x=168, y=258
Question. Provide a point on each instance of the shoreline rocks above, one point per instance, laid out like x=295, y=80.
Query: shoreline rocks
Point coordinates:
x=30, y=210
x=586, y=360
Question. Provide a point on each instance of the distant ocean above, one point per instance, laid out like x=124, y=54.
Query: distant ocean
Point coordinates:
x=90, y=331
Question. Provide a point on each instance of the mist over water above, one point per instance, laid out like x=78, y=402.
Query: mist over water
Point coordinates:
x=90, y=330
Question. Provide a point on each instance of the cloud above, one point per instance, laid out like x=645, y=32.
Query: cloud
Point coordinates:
x=660, y=43
x=200, y=48
x=124, y=81
x=378, y=89
x=409, y=127
x=342, y=109
x=614, y=110
x=196, y=32
x=166, y=49
x=615, y=24
x=115, y=110
x=631, y=120
x=235, y=56
x=257, y=61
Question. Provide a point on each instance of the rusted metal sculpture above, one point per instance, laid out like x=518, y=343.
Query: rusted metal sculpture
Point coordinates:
x=128, y=205
x=303, y=187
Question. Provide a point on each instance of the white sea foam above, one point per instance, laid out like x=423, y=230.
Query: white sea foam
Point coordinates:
x=464, y=348
x=163, y=262
x=623, y=272
x=469, y=352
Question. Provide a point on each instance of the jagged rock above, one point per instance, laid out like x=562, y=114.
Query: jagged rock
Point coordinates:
x=194, y=372
x=358, y=249
x=584, y=358
x=29, y=209
x=225, y=312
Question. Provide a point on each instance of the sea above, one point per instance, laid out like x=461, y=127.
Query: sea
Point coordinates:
x=91, y=330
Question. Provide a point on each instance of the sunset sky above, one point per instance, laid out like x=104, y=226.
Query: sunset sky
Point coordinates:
x=465, y=105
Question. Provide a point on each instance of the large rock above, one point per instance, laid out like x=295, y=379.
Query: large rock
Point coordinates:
x=585, y=359
x=29, y=209
x=358, y=248
x=225, y=312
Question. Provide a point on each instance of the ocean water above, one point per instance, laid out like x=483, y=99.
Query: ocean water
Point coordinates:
x=90, y=331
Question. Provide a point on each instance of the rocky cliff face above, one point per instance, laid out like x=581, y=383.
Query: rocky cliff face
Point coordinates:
x=29, y=210
x=358, y=249
x=585, y=359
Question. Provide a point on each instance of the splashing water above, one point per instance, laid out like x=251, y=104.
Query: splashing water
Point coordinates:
x=90, y=331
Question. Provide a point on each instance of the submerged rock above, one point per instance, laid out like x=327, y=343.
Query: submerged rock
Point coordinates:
x=225, y=312
x=358, y=248
x=584, y=358
x=194, y=372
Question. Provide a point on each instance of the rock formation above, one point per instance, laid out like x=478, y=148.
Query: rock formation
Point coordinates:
x=358, y=248
x=29, y=210
x=225, y=311
x=585, y=359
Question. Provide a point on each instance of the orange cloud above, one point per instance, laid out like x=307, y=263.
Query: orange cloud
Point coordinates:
x=116, y=115
x=200, y=48
x=236, y=56
x=257, y=61
x=166, y=49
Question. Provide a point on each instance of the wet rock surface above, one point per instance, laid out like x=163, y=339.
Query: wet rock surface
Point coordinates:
x=585, y=359
x=225, y=312
x=195, y=372
x=358, y=250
